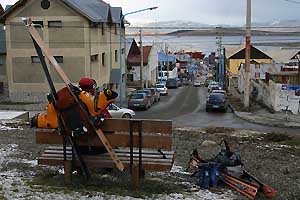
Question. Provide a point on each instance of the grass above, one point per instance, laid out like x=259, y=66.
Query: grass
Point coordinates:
x=103, y=183
x=292, y=142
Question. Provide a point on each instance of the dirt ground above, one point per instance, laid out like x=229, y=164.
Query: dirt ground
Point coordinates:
x=273, y=158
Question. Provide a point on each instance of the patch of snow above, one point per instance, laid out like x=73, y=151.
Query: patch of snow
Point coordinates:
x=4, y=128
x=179, y=169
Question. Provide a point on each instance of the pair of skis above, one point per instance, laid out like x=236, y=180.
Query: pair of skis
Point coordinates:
x=245, y=187
x=40, y=45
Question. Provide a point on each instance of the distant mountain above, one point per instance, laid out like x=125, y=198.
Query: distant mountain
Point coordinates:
x=176, y=24
x=190, y=28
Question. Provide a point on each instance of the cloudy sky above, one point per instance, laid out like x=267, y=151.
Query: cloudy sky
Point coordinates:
x=231, y=12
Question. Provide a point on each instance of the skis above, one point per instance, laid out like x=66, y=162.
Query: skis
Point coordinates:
x=245, y=188
x=38, y=40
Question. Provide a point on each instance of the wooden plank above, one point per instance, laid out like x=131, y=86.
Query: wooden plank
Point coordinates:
x=106, y=164
x=148, y=126
x=162, y=127
x=110, y=150
x=106, y=158
x=116, y=140
x=121, y=150
x=156, y=156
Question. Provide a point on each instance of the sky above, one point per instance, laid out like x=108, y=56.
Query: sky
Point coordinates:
x=214, y=12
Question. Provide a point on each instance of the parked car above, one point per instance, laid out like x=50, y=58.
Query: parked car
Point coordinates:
x=197, y=83
x=171, y=83
x=186, y=81
x=117, y=112
x=139, y=100
x=217, y=101
x=213, y=86
x=148, y=93
x=162, y=88
x=207, y=82
x=218, y=91
x=179, y=82
x=156, y=94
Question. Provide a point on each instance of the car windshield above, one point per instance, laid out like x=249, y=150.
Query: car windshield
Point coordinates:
x=137, y=96
x=218, y=96
x=160, y=86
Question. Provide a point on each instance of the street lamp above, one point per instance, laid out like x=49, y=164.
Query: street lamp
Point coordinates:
x=121, y=77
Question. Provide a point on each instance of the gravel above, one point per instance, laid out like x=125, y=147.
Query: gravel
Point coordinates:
x=273, y=158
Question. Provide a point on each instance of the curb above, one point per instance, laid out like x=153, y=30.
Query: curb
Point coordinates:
x=258, y=122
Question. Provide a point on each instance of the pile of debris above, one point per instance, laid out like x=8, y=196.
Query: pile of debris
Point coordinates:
x=227, y=167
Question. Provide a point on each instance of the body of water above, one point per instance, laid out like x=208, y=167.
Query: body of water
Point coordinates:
x=208, y=44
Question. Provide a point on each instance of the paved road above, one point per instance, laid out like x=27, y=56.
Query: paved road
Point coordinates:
x=186, y=107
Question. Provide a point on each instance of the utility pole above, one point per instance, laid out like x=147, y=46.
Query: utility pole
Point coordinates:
x=219, y=42
x=167, y=54
x=142, y=61
x=247, y=56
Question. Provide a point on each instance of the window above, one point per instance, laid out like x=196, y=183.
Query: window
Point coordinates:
x=116, y=29
x=116, y=55
x=41, y=23
x=59, y=59
x=1, y=88
x=1, y=61
x=103, y=59
x=94, y=58
x=35, y=59
x=257, y=66
x=56, y=24
x=102, y=28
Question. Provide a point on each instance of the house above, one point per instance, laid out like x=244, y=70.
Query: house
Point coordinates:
x=149, y=70
x=257, y=72
x=166, y=62
x=234, y=60
x=82, y=34
x=3, y=77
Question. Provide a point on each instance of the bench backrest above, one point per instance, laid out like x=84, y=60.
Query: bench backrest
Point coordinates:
x=156, y=134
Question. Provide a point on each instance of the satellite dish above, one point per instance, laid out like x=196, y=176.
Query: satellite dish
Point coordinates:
x=45, y=4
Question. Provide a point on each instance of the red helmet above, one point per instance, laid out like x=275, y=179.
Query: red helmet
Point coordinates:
x=88, y=85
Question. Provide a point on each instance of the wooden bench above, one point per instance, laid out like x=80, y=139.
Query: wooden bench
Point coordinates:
x=140, y=145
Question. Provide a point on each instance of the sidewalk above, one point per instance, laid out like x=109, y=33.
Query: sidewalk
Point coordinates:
x=260, y=115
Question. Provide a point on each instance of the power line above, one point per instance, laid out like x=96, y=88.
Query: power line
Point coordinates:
x=170, y=27
x=291, y=1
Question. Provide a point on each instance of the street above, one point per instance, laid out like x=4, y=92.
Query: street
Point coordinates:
x=185, y=106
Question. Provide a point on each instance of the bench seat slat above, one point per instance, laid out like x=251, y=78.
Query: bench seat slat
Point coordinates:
x=106, y=163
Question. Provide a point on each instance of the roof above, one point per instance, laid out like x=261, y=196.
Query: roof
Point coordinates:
x=116, y=13
x=254, y=54
x=2, y=41
x=7, y=7
x=232, y=49
x=96, y=11
x=135, y=60
x=162, y=57
x=1, y=10
x=282, y=55
x=131, y=47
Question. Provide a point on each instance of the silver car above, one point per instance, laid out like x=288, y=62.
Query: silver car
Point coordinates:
x=117, y=112
x=162, y=88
